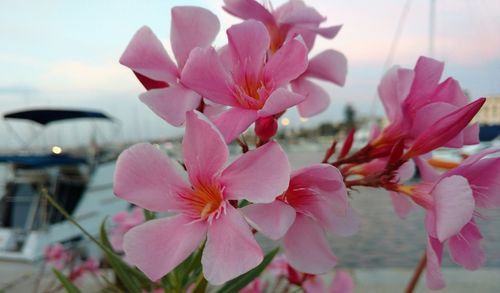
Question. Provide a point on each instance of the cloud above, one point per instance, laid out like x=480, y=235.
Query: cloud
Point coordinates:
x=18, y=90
x=77, y=76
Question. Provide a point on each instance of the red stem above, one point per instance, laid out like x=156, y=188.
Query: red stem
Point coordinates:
x=416, y=274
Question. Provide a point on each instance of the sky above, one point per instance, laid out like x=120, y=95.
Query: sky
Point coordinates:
x=65, y=54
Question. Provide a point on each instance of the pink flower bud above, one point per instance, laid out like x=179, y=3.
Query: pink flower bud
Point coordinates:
x=266, y=127
x=444, y=129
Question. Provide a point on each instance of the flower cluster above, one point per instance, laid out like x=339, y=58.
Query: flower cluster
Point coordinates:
x=124, y=221
x=265, y=69
x=69, y=262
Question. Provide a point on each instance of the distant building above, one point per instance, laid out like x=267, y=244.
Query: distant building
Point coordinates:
x=490, y=112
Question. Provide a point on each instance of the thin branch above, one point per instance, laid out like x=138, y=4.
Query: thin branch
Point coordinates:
x=416, y=274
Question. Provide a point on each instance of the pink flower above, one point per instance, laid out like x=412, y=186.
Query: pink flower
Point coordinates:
x=280, y=268
x=329, y=65
x=91, y=266
x=147, y=178
x=256, y=286
x=191, y=27
x=401, y=203
x=341, y=283
x=285, y=23
x=244, y=78
x=415, y=102
x=445, y=129
x=316, y=200
x=124, y=221
x=450, y=200
x=57, y=256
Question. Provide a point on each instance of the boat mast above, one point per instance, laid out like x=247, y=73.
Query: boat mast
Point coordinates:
x=432, y=23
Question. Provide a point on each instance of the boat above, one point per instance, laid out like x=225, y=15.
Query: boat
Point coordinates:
x=79, y=181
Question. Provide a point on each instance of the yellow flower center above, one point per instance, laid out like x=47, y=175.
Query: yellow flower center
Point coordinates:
x=206, y=199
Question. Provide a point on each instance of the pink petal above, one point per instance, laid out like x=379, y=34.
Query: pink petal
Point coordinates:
x=306, y=247
x=205, y=74
x=226, y=57
x=484, y=179
x=430, y=223
x=325, y=181
x=314, y=285
x=280, y=100
x=445, y=129
x=296, y=12
x=158, y=246
x=427, y=74
x=234, y=122
x=306, y=32
x=145, y=55
x=213, y=111
x=393, y=89
x=259, y=175
x=450, y=92
x=144, y=176
x=287, y=63
x=471, y=134
x=191, y=27
x=342, y=283
x=248, y=9
x=317, y=99
x=328, y=32
x=465, y=248
x=149, y=83
x=428, y=115
x=427, y=172
x=231, y=249
x=346, y=224
x=329, y=65
x=203, y=148
x=120, y=217
x=137, y=215
x=375, y=131
x=433, y=273
x=476, y=157
x=248, y=43
x=171, y=103
x=454, y=205
x=406, y=171
x=402, y=205
x=271, y=219
x=116, y=241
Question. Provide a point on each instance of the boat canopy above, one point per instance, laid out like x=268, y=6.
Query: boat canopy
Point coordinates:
x=46, y=116
x=489, y=132
x=40, y=161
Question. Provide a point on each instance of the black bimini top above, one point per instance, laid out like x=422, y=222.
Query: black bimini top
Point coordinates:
x=41, y=161
x=46, y=116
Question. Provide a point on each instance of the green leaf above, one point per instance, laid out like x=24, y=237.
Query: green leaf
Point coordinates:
x=149, y=215
x=129, y=276
x=238, y=283
x=190, y=264
x=66, y=283
x=201, y=285
x=243, y=203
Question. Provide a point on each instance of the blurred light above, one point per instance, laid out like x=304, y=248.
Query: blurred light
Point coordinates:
x=285, y=121
x=56, y=150
x=303, y=119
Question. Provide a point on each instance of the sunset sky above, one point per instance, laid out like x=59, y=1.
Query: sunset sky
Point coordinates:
x=65, y=53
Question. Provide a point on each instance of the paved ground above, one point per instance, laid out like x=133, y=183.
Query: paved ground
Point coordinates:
x=21, y=278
